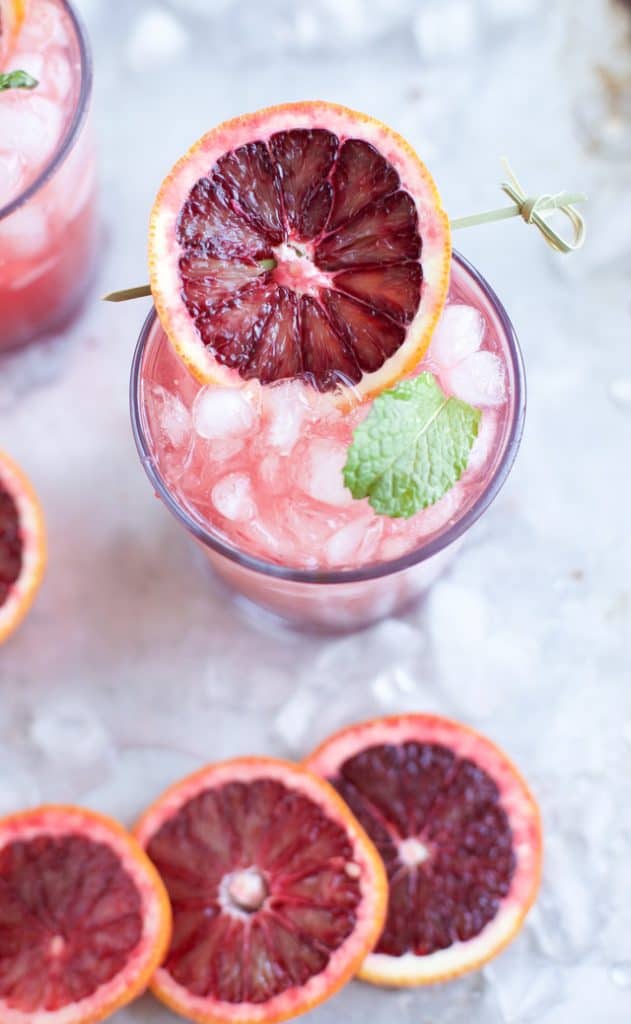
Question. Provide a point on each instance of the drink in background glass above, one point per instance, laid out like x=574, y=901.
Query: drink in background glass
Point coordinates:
x=255, y=474
x=47, y=176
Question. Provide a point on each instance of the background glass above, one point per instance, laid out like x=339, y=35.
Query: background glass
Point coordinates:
x=48, y=233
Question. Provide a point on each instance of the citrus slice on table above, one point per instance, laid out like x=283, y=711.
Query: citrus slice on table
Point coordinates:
x=22, y=545
x=303, y=241
x=12, y=14
x=84, y=917
x=459, y=833
x=277, y=893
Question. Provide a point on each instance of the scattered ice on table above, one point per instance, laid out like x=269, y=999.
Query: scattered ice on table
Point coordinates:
x=18, y=789
x=448, y=30
x=459, y=333
x=524, y=983
x=294, y=720
x=35, y=366
x=157, y=38
x=223, y=412
x=620, y=974
x=479, y=379
x=321, y=475
x=233, y=499
x=382, y=670
x=620, y=392
x=73, y=748
x=174, y=417
x=507, y=11
x=285, y=412
x=455, y=610
x=138, y=776
x=567, y=917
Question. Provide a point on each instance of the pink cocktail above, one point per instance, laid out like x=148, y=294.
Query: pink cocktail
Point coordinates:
x=255, y=473
x=47, y=176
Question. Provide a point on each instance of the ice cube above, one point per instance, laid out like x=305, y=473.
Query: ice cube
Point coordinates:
x=49, y=28
x=459, y=333
x=56, y=76
x=17, y=788
x=436, y=516
x=24, y=233
x=156, y=38
x=568, y=915
x=454, y=609
x=446, y=30
x=11, y=176
x=483, y=444
x=321, y=475
x=394, y=546
x=33, y=63
x=271, y=468
x=74, y=747
x=355, y=543
x=30, y=125
x=294, y=720
x=138, y=775
x=620, y=973
x=173, y=416
x=525, y=984
x=223, y=412
x=232, y=497
x=479, y=379
x=286, y=408
x=620, y=392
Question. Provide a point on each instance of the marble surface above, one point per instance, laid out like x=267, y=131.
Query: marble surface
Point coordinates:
x=133, y=668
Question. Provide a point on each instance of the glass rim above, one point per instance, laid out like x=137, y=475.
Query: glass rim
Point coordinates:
x=67, y=140
x=370, y=571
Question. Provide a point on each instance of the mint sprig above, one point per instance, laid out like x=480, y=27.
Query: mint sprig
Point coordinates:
x=17, y=80
x=412, y=447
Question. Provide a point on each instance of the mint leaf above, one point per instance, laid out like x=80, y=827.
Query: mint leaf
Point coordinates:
x=17, y=80
x=412, y=447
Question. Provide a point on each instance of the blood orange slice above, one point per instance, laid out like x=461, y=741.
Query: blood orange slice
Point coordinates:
x=277, y=893
x=305, y=240
x=12, y=14
x=459, y=834
x=84, y=917
x=22, y=546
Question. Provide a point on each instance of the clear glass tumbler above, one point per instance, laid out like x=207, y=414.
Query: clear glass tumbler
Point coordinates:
x=347, y=599
x=48, y=231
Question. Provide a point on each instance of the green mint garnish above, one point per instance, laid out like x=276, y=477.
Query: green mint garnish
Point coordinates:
x=267, y=264
x=412, y=447
x=17, y=80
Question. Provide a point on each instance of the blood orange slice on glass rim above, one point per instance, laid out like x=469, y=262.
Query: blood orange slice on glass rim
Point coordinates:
x=459, y=834
x=303, y=241
x=277, y=893
x=84, y=917
x=12, y=14
x=22, y=545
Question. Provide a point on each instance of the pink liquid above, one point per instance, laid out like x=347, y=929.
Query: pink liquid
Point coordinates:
x=48, y=241
x=382, y=564
x=262, y=467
